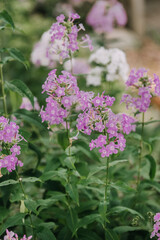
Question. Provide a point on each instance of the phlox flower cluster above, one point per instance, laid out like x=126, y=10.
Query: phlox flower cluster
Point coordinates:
x=13, y=236
x=111, y=65
x=26, y=104
x=9, y=148
x=143, y=87
x=63, y=93
x=66, y=32
x=104, y=14
x=156, y=227
x=98, y=117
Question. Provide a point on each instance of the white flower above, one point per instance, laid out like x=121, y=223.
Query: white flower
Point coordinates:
x=113, y=62
x=94, y=76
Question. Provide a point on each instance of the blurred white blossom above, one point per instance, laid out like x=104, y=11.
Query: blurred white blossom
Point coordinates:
x=111, y=63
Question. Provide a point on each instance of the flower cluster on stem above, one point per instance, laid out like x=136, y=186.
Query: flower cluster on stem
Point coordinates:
x=13, y=236
x=66, y=32
x=63, y=92
x=98, y=117
x=142, y=86
x=156, y=227
x=9, y=148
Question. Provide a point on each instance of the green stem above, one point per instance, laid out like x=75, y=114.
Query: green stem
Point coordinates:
x=107, y=179
x=71, y=59
x=141, y=152
x=25, y=197
x=3, y=92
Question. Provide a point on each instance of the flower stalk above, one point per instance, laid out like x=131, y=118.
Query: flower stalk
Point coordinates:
x=141, y=151
x=2, y=90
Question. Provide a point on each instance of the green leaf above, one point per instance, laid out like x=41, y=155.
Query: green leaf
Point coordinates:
x=45, y=233
x=86, y=234
x=123, y=229
x=84, y=148
x=72, y=220
x=7, y=18
x=119, y=209
x=8, y=182
x=69, y=162
x=63, y=139
x=122, y=186
x=20, y=88
x=51, y=175
x=151, y=184
x=31, y=205
x=88, y=220
x=15, y=100
x=110, y=234
x=152, y=162
x=12, y=221
x=73, y=192
x=31, y=118
x=18, y=56
x=113, y=163
x=31, y=179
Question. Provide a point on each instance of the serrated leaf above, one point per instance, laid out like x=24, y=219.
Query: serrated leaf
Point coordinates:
x=30, y=117
x=4, y=15
x=119, y=209
x=20, y=88
x=12, y=221
x=8, y=182
x=152, y=162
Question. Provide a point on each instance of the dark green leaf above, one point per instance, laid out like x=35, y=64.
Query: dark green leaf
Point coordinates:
x=122, y=186
x=7, y=18
x=63, y=139
x=110, y=234
x=20, y=88
x=89, y=219
x=45, y=233
x=123, y=229
x=119, y=209
x=72, y=220
x=152, y=162
x=30, y=117
x=73, y=192
x=12, y=221
x=31, y=205
x=18, y=56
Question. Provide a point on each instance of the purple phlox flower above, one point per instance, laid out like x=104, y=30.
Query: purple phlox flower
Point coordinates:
x=107, y=13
